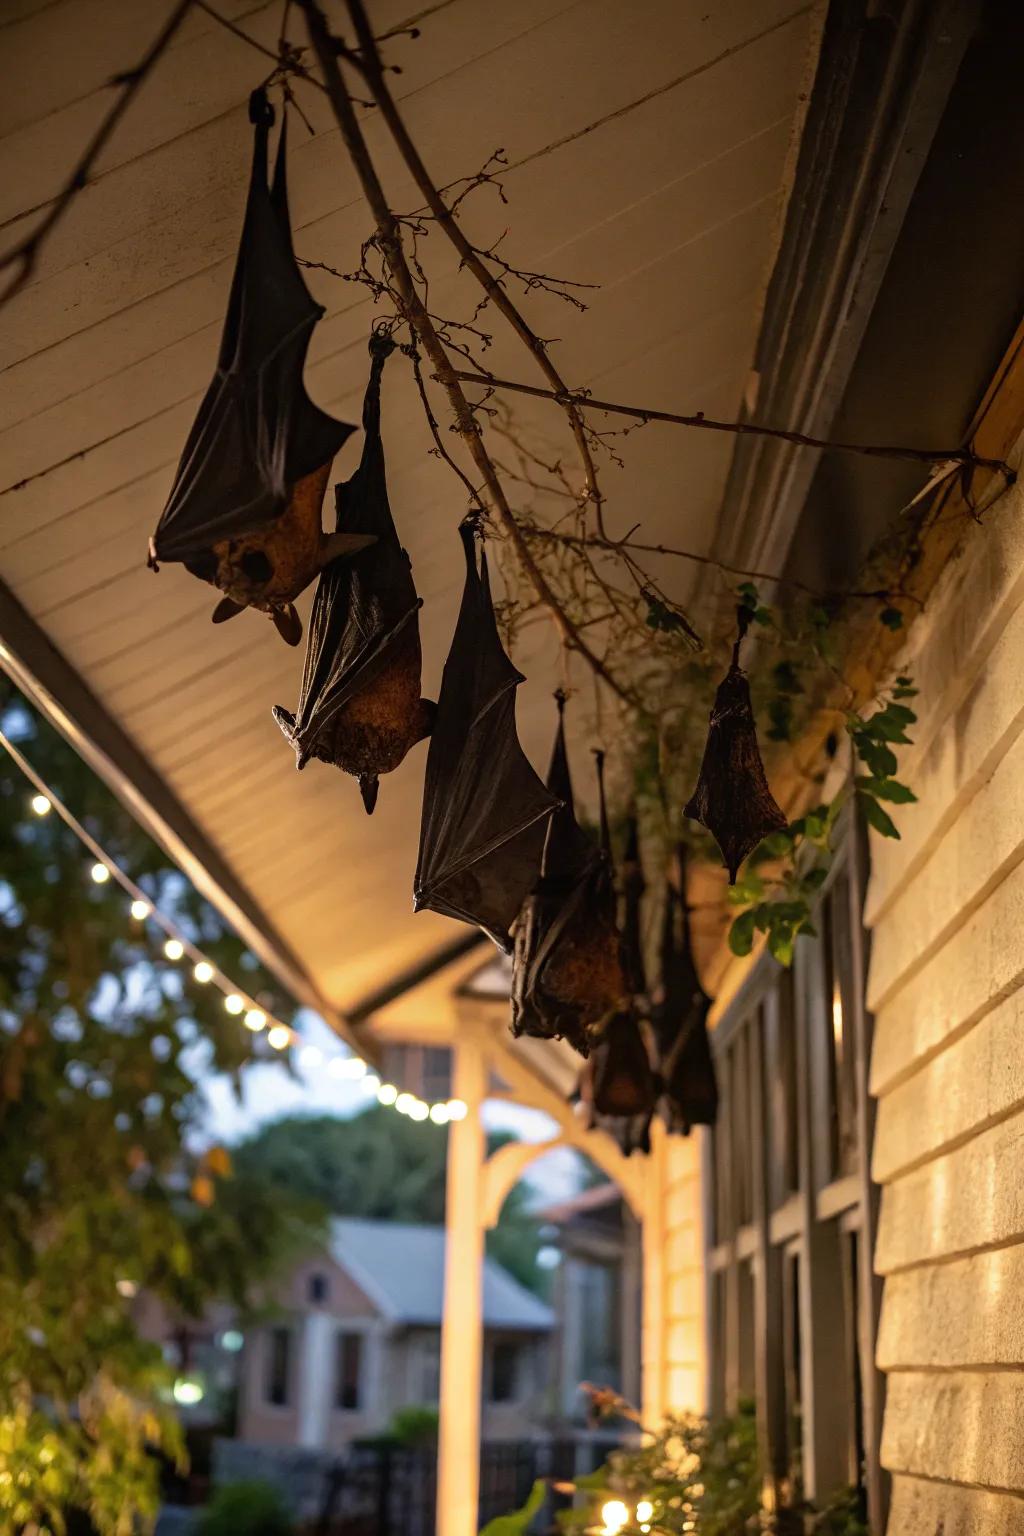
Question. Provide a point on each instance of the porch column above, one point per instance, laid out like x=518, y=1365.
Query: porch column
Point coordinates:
x=458, y=1473
x=314, y=1379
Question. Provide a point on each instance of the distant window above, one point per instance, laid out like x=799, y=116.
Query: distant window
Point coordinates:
x=505, y=1373
x=348, y=1370
x=430, y=1371
x=318, y=1288
x=279, y=1349
x=437, y=1072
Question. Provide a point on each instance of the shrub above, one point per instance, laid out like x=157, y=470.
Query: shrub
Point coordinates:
x=246, y=1509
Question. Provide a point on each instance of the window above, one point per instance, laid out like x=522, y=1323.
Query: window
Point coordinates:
x=793, y=1305
x=319, y=1288
x=278, y=1366
x=348, y=1371
x=428, y=1384
x=505, y=1361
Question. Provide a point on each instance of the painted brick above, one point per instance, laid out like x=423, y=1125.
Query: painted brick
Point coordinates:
x=936, y=1509
x=979, y=966
x=964, y=1313
x=977, y=1079
x=963, y=1428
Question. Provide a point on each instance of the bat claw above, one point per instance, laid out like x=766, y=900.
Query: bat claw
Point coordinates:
x=226, y=609
x=369, y=784
x=288, y=624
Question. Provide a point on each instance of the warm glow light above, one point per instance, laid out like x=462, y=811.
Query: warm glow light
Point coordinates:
x=279, y=1037
x=644, y=1512
x=387, y=1093
x=234, y=1004
x=419, y=1110
x=188, y=1391
x=404, y=1103
x=254, y=1019
x=837, y=1017
x=40, y=804
x=615, y=1515
x=439, y=1114
x=140, y=909
x=311, y=1056
x=203, y=971
x=174, y=949
x=100, y=873
x=370, y=1084
x=126, y=1288
x=456, y=1109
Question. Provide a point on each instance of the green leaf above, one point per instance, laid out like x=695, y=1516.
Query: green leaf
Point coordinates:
x=892, y=618
x=517, y=1523
x=748, y=888
x=780, y=943
x=887, y=789
x=741, y=934
x=877, y=817
x=814, y=879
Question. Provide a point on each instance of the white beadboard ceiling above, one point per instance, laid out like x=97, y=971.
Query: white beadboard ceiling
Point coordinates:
x=648, y=148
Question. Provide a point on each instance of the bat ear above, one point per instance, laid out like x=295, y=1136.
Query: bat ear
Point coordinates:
x=368, y=787
x=342, y=546
x=288, y=624
x=226, y=609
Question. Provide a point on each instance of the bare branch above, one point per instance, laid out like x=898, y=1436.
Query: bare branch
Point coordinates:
x=24, y=256
x=583, y=401
x=370, y=63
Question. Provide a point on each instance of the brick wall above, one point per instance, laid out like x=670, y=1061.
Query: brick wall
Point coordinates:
x=946, y=909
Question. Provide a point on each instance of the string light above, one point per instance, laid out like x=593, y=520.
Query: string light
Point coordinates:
x=176, y=946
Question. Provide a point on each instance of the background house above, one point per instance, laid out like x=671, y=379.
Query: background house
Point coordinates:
x=358, y=1338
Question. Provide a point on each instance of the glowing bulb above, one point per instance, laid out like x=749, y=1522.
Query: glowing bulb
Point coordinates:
x=615, y=1515
x=644, y=1512
x=387, y=1093
x=40, y=804
x=456, y=1109
x=232, y=1341
x=350, y=1066
x=234, y=1004
x=203, y=971
x=439, y=1114
x=126, y=1288
x=418, y=1110
x=255, y=1018
x=188, y=1391
x=279, y=1037
x=370, y=1084
x=311, y=1056
x=404, y=1103
x=140, y=910
x=100, y=873
x=174, y=949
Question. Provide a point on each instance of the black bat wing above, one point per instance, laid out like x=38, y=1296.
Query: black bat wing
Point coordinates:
x=363, y=604
x=257, y=433
x=484, y=808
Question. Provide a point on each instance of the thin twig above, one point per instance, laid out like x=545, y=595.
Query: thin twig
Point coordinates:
x=583, y=401
x=369, y=62
x=414, y=313
x=24, y=256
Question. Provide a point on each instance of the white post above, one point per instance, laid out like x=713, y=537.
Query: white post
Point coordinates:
x=315, y=1379
x=458, y=1476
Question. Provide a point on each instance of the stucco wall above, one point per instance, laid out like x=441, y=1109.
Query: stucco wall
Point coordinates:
x=946, y=909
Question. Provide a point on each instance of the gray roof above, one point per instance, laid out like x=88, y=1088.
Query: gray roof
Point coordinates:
x=400, y=1267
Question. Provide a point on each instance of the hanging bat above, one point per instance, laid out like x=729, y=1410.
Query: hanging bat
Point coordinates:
x=732, y=798
x=485, y=811
x=359, y=704
x=244, y=510
x=689, y=1092
x=567, y=968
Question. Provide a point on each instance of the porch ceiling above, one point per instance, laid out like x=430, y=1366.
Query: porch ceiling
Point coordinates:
x=648, y=148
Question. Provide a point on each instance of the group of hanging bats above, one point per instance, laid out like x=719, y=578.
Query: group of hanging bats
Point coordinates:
x=499, y=847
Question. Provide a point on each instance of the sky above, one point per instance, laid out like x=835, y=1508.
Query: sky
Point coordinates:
x=270, y=1090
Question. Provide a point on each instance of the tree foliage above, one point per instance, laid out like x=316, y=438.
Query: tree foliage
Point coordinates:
x=384, y=1166
x=103, y=1188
